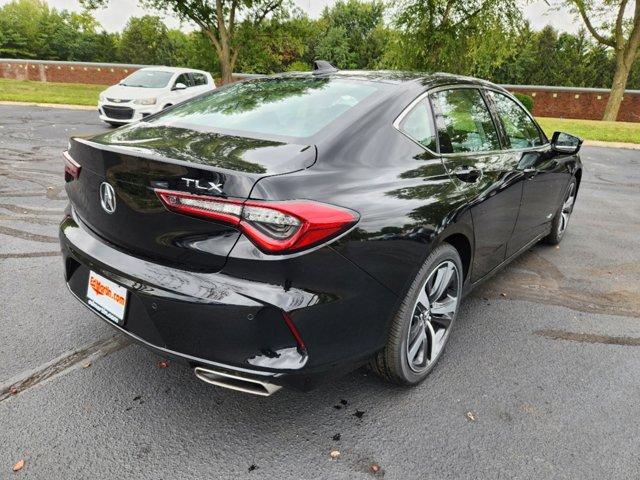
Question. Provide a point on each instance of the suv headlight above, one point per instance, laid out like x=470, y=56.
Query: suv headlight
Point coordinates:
x=102, y=97
x=145, y=101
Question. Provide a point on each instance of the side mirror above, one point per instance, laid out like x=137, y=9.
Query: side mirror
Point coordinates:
x=179, y=86
x=565, y=143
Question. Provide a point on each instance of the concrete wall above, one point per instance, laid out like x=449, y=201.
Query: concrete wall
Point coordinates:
x=562, y=102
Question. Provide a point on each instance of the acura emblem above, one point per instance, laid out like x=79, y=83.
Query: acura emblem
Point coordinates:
x=107, y=198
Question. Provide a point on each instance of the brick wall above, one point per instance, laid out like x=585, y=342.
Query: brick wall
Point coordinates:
x=562, y=102
x=65, y=72
x=569, y=102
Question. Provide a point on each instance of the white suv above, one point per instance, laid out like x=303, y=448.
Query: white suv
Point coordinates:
x=148, y=91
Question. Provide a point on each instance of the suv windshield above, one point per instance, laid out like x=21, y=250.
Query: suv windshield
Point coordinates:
x=147, y=79
x=287, y=106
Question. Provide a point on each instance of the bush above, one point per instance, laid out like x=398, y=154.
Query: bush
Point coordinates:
x=526, y=100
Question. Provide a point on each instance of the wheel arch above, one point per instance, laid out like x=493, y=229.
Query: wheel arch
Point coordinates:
x=578, y=176
x=462, y=244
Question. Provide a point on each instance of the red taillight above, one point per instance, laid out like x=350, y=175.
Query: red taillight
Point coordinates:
x=71, y=167
x=275, y=227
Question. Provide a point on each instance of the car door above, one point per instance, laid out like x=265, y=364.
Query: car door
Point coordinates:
x=544, y=175
x=201, y=83
x=471, y=150
x=181, y=95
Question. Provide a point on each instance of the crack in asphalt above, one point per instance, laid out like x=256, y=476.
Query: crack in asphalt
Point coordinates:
x=588, y=338
x=30, y=254
x=62, y=365
x=35, y=237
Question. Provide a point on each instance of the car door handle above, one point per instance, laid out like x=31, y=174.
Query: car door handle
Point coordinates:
x=467, y=174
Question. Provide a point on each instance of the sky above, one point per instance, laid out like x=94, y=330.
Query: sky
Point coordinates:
x=113, y=19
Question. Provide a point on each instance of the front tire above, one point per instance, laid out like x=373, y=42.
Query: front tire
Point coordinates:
x=422, y=326
x=563, y=215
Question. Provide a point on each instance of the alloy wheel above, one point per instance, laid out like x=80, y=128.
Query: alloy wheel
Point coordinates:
x=567, y=208
x=433, y=315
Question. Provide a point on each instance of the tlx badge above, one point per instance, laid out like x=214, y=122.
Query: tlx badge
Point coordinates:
x=203, y=185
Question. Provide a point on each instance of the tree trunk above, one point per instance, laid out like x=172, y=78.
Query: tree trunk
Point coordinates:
x=226, y=67
x=617, y=89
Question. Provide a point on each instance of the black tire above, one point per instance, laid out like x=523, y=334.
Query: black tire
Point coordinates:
x=563, y=215
x=115, y=124
x=393, y=363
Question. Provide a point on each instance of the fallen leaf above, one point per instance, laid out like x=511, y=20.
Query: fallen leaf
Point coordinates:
x=471, y=416
x=335, y=454
x=13, y=391
x=18, y=466
x=503, y=294
x=86, y=365
x=163, y=364
x=375, y=468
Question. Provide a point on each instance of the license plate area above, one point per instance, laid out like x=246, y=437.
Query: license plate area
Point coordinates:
x=107, y=297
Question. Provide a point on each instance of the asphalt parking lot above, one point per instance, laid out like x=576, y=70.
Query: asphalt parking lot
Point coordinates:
x=540, y=378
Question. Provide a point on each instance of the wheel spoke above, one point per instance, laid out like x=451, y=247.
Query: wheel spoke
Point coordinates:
x=423, y=300
x=417, y=343
x=442, y=280
x=445, y=307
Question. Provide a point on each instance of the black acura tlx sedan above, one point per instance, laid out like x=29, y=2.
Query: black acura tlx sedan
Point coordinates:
x=284, y=230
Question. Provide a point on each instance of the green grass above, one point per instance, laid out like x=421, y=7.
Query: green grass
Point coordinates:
x=41, y=92
x=627, y=132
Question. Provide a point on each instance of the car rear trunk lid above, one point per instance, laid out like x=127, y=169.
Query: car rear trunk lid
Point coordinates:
x=137, y=159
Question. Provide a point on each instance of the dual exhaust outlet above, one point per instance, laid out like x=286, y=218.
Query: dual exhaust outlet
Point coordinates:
x=235, y=381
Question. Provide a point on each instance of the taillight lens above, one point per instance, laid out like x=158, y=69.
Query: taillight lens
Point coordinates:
x=274, y=227
x=71, y=167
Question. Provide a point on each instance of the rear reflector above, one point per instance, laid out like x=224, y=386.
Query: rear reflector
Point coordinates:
x=274, y=227
x=71, y=167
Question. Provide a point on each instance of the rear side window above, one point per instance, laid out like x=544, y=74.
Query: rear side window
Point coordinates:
x=519, y=127
x=288, y=106
x=464, y=121
x=418, y=125
x=199, y=79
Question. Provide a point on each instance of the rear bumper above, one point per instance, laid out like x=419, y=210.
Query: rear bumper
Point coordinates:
x=233, y=323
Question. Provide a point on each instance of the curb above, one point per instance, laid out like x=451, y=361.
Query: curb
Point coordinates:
x=50, y=105
x=598, y=143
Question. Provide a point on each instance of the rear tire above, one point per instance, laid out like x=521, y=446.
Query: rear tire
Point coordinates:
x=115, y=124
x=422, y=326
x=563, y=215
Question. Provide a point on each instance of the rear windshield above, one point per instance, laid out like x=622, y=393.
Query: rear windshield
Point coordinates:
x=289, y=107
x=147, y=79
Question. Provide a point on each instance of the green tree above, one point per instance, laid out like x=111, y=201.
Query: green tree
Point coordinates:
x=218, y=20
x=609, y=24
x=146, y=40
x=440, y=34
x=352, y=34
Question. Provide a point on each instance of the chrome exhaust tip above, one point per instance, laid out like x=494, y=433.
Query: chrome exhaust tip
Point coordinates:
x=234, y=381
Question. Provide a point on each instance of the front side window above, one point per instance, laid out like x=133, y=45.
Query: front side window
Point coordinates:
x=519, y=127
x=199, y=79
x=418, y=125
x=185, y=79
x=287, y=106
x=147, y=79
x=464, y=121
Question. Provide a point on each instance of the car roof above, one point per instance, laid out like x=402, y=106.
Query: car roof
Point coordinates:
x=162, y=68
x=399, y=77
